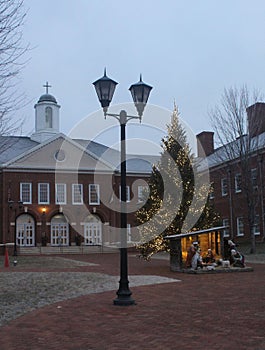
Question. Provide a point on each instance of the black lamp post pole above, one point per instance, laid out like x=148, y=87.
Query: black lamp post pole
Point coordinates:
x=123, y=293
x=140, y=91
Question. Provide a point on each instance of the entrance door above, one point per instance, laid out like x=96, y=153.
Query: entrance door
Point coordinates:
x=92, y=230
x=25, y=235
x=59, y=231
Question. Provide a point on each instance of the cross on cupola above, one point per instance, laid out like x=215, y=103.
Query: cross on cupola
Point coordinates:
x=47, y=87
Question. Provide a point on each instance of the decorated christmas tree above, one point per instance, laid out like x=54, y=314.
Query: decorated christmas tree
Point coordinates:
x=177, y=200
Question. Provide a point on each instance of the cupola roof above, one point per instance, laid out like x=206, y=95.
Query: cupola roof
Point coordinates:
x=47, y=98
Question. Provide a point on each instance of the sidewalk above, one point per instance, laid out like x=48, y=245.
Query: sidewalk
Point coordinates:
x=220, y=312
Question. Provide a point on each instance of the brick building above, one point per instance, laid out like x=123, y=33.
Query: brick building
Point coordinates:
x=238, y=190
x=59, y=191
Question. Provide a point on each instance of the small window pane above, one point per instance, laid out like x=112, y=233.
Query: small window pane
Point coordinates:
x=77, y=193
x=60, y=190
x=240, y=226
x=127, y=193
x=224, y=187
x=226, y=231
x=238, y=183
x=94, y=194
x=43, y=193
x=25, y=192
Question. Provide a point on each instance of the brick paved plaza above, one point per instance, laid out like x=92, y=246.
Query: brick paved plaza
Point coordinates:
x=211, y=311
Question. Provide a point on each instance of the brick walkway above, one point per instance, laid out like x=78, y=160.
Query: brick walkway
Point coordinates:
x=217, y=312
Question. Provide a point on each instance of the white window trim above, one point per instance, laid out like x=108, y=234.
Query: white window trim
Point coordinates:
x=48, y=193
x=238, y=190
x=226, y=231
x=129, y=233
x=258, y=232
x=65, y=194
x=30, y=192
x=222, y=187
x=238, y=219
x=80, y=187
x=96, y=186
x=141, y=189
x=128, y=198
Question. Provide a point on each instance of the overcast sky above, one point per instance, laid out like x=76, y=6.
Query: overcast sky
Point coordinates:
x=189, y=51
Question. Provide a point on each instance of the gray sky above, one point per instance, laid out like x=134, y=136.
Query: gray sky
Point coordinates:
x=187, y=50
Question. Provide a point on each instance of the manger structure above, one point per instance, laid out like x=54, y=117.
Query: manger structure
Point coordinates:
x=211, y=238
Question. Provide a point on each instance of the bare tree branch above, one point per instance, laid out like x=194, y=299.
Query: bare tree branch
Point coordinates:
x=230, y=124
x=12, y=53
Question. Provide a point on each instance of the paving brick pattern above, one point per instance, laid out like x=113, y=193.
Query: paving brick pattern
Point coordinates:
x=215, y=311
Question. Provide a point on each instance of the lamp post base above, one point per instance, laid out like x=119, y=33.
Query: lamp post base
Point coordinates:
x=124, y=301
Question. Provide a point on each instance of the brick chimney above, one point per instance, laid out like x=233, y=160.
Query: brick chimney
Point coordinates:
x=205, y=145
x=256, y=119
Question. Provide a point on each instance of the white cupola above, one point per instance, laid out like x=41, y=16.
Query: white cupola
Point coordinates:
x=46, y=117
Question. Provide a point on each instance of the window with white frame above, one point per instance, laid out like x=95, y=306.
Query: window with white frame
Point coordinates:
x=143, y=193
x=26, y=192
x=129, y=233
x=211, y=191
x=226, y=230
x=127, y=193
x=224, y=186
x=43, y=193
x=77, y=193
x=256, y=226
x=94, y=195
x=254, y=181
x=60, y=193
x=238, y=183
x=240, y=226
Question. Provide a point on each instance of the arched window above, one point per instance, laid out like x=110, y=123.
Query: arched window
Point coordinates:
x=48, y=117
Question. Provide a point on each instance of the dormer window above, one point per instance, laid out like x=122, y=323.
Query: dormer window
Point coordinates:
x=48, y=117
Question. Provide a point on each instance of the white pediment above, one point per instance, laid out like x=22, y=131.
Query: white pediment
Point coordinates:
x=62, y=154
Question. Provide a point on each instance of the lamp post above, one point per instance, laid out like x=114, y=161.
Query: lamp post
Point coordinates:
x=11, y=203
x=140, y=91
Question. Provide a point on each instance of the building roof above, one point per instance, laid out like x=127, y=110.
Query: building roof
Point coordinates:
x=14, y=147
x=231, y=151
x=135, y=163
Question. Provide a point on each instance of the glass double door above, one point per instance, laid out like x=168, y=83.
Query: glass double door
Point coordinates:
x=25, y=235
x=92, y=233
x=59, y=234
x=25, y=231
